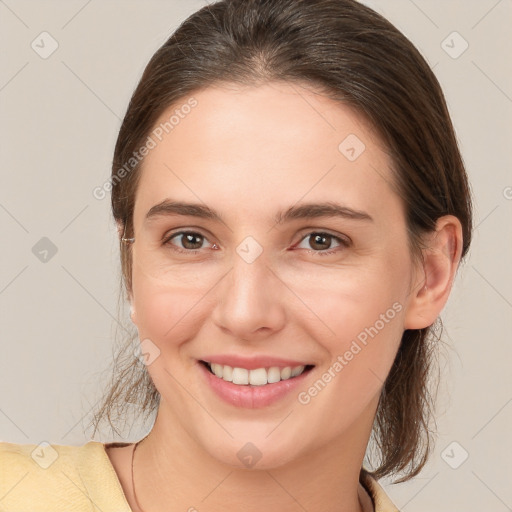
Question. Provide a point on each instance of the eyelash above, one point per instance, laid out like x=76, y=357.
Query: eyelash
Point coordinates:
x=345, y=243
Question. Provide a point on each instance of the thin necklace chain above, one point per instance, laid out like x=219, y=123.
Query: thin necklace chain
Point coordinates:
x=133, y=480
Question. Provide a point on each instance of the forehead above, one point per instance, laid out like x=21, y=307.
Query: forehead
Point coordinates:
x=260, y=147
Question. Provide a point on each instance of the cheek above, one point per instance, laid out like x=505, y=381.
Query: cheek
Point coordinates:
x=359, y=321
x=341, y=304
x=367, y=332
x=168, y=312
x=362, y=350
x=362, y=315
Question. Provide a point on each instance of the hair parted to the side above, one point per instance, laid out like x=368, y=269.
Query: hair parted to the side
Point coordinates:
x=354, y=56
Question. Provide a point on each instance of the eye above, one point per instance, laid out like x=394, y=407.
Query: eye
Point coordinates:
x=191, y=241
x=320, y=243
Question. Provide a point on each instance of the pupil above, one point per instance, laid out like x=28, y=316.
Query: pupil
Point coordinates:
x=189, y=240
x=321, y=240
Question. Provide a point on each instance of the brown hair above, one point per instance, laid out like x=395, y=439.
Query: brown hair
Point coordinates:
x=354, y=56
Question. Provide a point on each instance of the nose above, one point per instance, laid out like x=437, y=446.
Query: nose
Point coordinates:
x=250, y=301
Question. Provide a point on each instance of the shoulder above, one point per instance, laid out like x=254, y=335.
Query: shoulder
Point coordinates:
x=50, y=477
x=379, y=497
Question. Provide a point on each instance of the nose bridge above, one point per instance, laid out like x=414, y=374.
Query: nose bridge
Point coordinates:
x=249, y=271
x=247, y=280
x=248, y=299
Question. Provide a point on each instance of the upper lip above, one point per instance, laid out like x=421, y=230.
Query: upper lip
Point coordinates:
x=251, y=363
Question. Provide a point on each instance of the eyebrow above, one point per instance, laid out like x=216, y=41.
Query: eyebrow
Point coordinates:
x=303, y=211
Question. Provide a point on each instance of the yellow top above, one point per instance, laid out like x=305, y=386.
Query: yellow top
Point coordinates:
x=60, y=478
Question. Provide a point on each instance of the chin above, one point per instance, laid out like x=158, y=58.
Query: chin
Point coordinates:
x=263, y=454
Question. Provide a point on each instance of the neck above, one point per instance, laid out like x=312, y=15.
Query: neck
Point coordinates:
x=172, y=472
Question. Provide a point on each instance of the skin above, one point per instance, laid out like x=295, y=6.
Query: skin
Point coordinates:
x=248, y=153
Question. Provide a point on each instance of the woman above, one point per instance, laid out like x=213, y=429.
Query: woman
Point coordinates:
x=292, y=209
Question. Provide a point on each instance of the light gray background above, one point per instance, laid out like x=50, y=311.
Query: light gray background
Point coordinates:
x=60, y=118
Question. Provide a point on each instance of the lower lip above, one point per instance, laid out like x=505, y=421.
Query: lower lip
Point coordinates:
x=248, y=396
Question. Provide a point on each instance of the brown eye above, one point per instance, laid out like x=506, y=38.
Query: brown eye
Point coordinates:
x=320, y=243
x=189, y=240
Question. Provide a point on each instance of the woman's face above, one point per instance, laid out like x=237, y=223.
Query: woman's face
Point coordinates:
x=302, y=260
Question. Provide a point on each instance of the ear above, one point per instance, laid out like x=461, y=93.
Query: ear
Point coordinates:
x=434, y=277
x=120, y=232
x=133, y=314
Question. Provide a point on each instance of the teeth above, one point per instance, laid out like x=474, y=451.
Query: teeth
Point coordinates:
x=273, y=375
x=286, y=373
x=297, y=370
x=240, y=376
x=217, y=369
x=256, y=377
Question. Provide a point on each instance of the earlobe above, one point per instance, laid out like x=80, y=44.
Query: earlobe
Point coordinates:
x=441, y=258
x=133, y=314
x=132, y=307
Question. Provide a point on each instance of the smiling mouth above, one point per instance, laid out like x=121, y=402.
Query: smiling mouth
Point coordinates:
x=257, y=376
